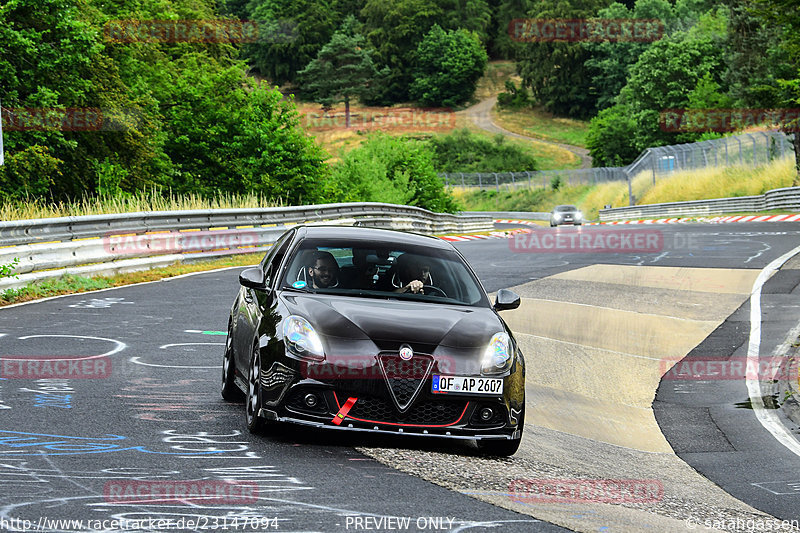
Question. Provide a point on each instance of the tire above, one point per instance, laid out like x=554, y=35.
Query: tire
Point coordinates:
x=255, y=424
x=230, y=392
x=502, y=448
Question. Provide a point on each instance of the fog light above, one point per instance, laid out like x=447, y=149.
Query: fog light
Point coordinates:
x=311, y=400
x=486, y=414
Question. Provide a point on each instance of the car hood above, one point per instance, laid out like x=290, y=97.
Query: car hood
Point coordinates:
x=397, y=321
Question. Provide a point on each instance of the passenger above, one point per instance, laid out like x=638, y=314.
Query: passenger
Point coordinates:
x=324, y=270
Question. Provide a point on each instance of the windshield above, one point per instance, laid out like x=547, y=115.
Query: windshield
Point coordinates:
x=380, y=270
x=566, y=208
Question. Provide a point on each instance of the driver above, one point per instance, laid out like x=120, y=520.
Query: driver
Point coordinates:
x=412, y=273
x=324, y=270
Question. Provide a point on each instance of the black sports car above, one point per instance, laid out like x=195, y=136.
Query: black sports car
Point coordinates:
x=374, y=330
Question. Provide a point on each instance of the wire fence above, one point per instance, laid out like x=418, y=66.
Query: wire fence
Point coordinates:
x=751, y=149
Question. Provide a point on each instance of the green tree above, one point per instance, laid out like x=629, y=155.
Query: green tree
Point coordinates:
x=609, y=62
x=555, y=71
x=501, y=45
x=226, y=132
x=53, y=59
x=667, y=73
x=292, y=34
x=677, y=72
x=448, y=67
x=783, y=13
x=754, y=58
x=396, y=28
x=342, y=70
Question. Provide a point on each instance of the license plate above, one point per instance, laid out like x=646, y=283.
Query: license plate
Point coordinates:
x=467, y=384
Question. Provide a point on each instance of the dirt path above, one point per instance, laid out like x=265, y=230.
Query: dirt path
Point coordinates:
x=481, y=116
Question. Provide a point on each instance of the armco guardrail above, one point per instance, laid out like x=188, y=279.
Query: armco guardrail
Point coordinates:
x=105, y=244
x=513, y=215
x=787, y=198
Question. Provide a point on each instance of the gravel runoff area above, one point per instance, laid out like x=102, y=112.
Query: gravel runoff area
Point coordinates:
x=689, y=502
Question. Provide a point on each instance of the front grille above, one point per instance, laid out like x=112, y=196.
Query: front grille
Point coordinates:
x=424, y=412
x=405, y=378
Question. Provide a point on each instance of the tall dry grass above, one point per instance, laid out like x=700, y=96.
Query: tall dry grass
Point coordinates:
x=721, y=182
x=142, y=201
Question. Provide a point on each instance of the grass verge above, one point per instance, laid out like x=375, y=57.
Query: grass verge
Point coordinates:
x=535, y=122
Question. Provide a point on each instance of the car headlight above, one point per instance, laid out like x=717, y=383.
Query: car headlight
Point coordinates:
x=498, y=357
x=301, y=340
x=557, y=216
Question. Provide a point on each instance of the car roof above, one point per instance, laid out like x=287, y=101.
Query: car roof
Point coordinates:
x=359, y=233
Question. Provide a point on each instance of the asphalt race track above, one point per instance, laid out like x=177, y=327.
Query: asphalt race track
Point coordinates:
x=599, y=328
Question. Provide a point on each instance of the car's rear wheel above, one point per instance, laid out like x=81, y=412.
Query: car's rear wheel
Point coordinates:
x=503, y=448
x=230, y=391
x=255, y=424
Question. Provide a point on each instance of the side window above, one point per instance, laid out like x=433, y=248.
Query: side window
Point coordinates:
x=273, y=261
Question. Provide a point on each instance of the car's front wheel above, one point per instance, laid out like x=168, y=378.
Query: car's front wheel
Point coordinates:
x=230, y=391
x=255, y=424
x=503, y=448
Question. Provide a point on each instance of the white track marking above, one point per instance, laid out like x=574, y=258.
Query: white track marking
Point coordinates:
x=766, y=417
x=136, y=360
x=120, y=345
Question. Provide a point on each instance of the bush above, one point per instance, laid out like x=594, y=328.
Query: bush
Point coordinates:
x=611, y=137
x=393, y=170
x=514, y=97
x=463, y=151
x=27, y=173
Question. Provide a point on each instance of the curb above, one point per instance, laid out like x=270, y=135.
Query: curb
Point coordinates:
x=714, y=220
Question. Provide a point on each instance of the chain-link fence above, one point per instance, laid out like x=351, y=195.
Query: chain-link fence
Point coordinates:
x=752, y=149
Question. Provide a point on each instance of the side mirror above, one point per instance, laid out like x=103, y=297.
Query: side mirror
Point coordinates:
x=506, y=299
x=252, y=278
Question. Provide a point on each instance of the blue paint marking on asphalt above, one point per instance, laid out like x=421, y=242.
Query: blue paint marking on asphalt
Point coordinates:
x=69, y=445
